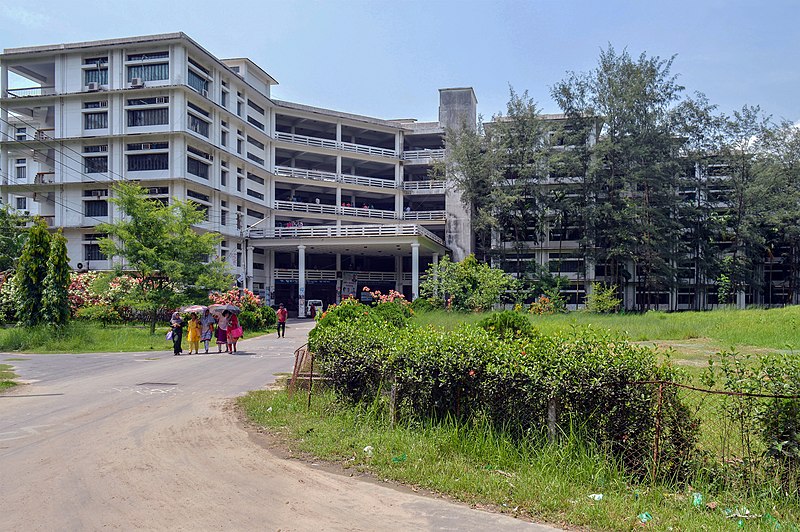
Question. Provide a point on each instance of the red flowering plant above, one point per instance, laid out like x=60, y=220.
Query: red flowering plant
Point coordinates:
x=245, y=299
x=391, y=308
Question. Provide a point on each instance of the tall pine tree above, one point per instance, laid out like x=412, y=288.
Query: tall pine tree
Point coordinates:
x=55, y=296
x=31, y=272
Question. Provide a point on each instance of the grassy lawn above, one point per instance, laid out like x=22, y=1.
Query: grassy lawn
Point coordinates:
x=89, y=337
x=6, y=377
x=476, y=465
x=691, y=337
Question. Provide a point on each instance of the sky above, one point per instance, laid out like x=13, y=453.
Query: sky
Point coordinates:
x=387, y=59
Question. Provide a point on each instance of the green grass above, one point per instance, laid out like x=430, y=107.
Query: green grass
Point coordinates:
x=88, y=337
x=477, y=464
x=770, y=328
x=7, y=377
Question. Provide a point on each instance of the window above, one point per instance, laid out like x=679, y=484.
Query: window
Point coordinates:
x=223, y=138
x=95, y=105
x=148, y=146
x=224, y=100
x=195, y=167
x=92, y=252
x=22, y=133
x=202, y=208
x=22, y=203
x=255, y=178
x=148, y=117
x=255, y=214
x=197, y=125
x=254, y=142
x=255, y=158
x=239, y=183
x=255, y=107
x=98, y=75
x=95, y=165
x=223, y=178
x=255, y=122
x=254, y=194
x=223, y=216
x=239, y=146
x=154, y=72
x=148, y=55
x=239, y=108
x=149, y=161
x=198, y=195
x=22, y=172
x=95, y=208
x=198, y=109
x=201, y=153
x=198, y=83
x=148, y=101
x=97, y=148
x=95, y=120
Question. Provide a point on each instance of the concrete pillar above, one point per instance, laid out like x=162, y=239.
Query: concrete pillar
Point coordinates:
x=398, y=272
x=435, y=274
x=270, y=266
x=248, y=274
x=301, y=281
x=414, y=271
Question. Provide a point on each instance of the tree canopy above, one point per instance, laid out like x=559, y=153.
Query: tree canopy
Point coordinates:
x=160, y=243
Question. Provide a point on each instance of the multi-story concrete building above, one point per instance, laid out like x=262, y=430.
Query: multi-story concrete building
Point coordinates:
x=311, y=203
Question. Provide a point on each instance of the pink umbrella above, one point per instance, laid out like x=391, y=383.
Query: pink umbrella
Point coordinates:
x=199, y=309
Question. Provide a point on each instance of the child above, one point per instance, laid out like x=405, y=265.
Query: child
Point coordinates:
x=193, y=334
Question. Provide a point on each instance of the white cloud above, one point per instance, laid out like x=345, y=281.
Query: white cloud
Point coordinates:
x=24, y=16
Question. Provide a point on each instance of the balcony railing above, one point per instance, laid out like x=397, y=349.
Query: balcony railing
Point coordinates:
x=331, y=177
x=422, y=155
x=287, y=274
x=44, y=178
x=369, y=150
x=334, y=145
x=44, y=133
x=343, y=231
x=367, y=213
x=296, y=206
x=29, y=92
x=425, y=215
x=429, y=184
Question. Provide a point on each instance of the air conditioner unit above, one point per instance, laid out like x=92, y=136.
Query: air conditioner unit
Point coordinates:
x=161, y=99
x=145, y=145
x=81, y=267
x=93, y=86
x=204, y=92
x=137, y=82
x=98, y=193
x=104, y=103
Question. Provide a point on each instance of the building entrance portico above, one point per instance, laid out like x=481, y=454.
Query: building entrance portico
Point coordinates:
x=333, y=262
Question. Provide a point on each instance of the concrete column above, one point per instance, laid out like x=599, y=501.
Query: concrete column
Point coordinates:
x=270, y=266
x=301, y=281
x=398, y=272
x=248, y=274
x=435, y=274
x=414, y=271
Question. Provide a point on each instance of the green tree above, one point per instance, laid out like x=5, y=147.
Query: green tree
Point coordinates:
x=159, y=243
x=12, y=238
x=499, y=169
x=467, y=285
x=55, y=295
x=30, y=275
x=633, y=169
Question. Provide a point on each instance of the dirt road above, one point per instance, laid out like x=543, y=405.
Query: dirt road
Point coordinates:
x=147, y=441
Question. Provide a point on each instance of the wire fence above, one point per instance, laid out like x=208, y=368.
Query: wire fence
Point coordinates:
x=731, y=440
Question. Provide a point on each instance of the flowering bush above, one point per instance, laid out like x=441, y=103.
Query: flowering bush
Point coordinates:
x=244, y=299
x=92, y=289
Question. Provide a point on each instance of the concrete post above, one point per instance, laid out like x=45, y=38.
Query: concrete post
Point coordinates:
x=414, y=271
x=301, y=281
x=248, y=275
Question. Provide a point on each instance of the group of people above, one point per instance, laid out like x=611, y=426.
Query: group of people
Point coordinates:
x=224, y=327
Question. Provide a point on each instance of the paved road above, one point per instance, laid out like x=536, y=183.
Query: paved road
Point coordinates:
x=146, y=441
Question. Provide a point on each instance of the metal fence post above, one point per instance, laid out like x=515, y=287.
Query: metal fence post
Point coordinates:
x=656, y=442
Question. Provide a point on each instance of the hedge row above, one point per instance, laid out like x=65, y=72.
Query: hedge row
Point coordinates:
x=510, y=379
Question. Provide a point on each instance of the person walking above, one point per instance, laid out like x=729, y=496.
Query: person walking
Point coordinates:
x=313, y=311
x=176, y=322
x=193, y=333
x=234, y=332
x=222, y=333
x=207, y=328
x=282, y=315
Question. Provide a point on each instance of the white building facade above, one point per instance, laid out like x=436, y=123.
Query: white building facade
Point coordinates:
x=311, y=203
